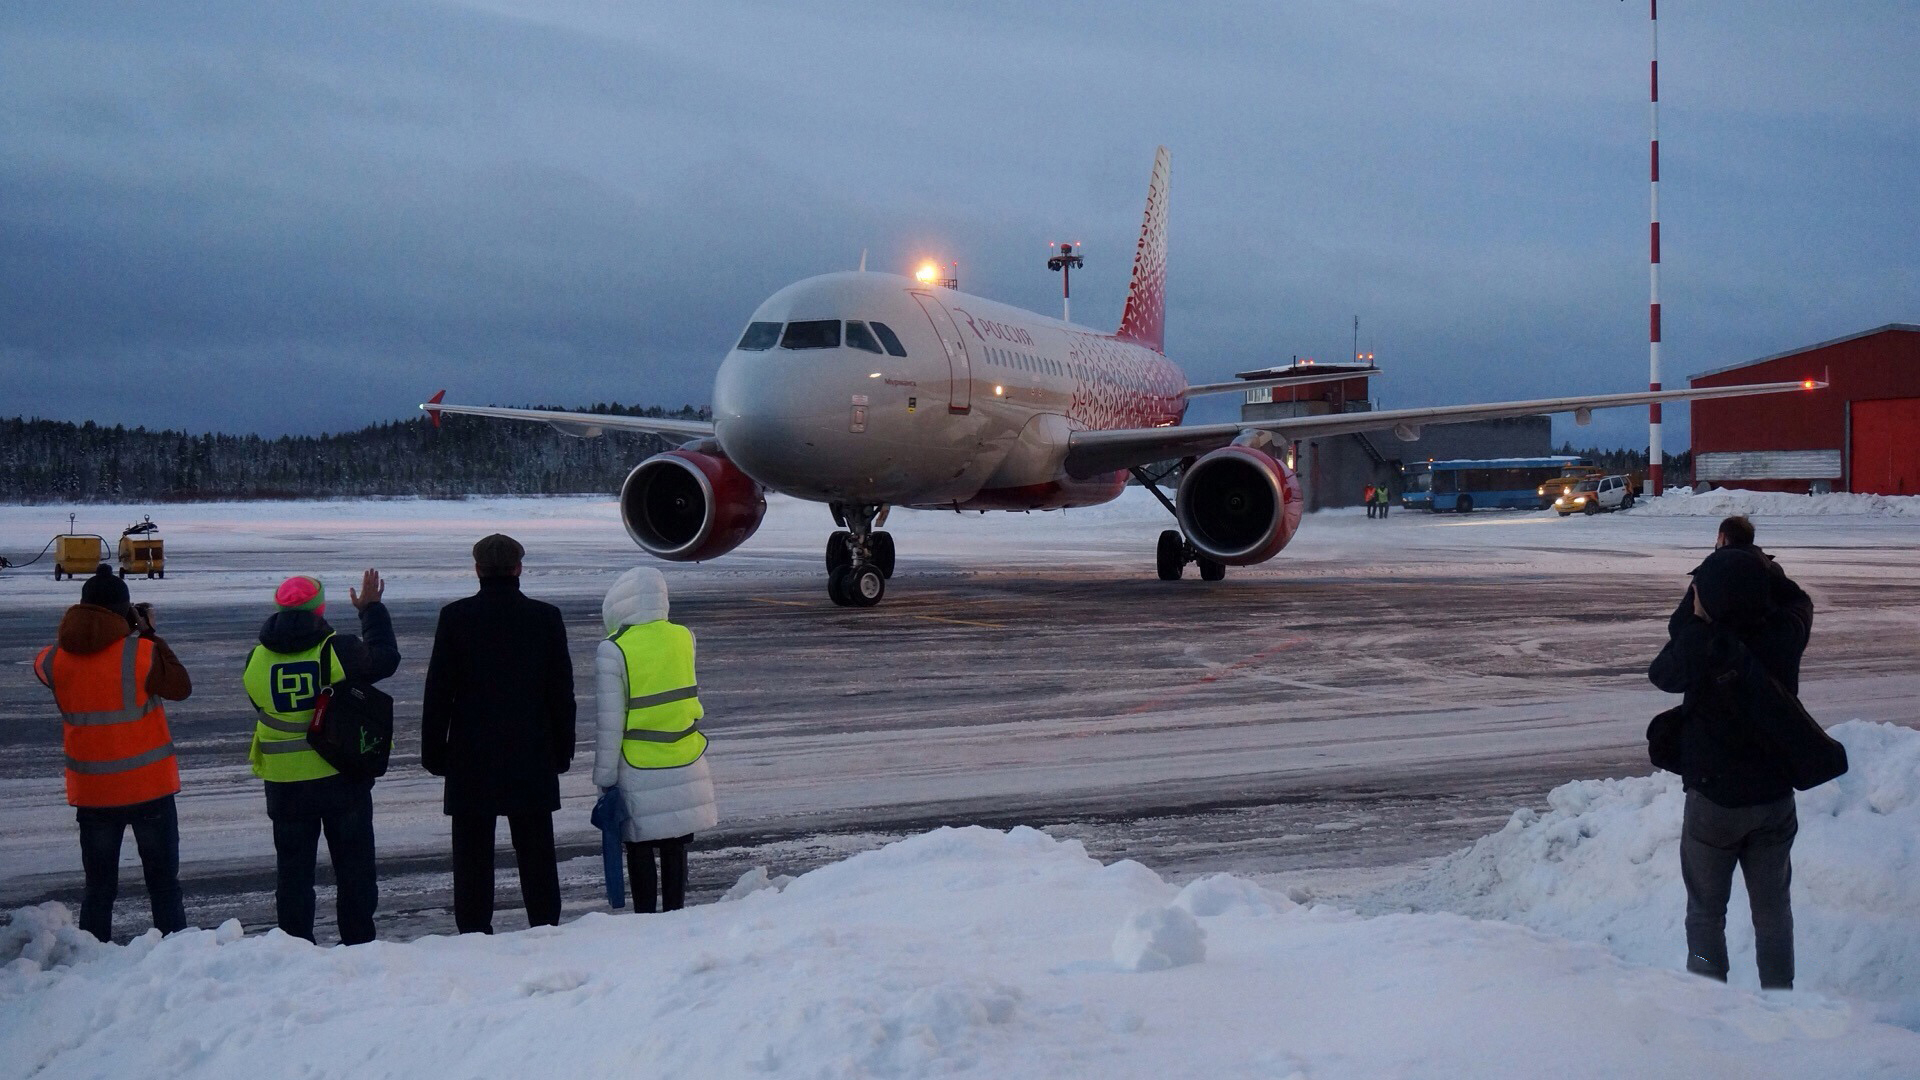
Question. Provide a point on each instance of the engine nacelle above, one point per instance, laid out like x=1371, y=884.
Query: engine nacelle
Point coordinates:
x=1239, y=505
x=688, y=506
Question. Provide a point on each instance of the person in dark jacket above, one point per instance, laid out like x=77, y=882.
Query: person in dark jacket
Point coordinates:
x=497, y=722
x=305, y=795
x=121, y=772
x=1739, y=809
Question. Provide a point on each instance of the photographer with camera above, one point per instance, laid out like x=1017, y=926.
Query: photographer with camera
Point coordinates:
x=109, y=672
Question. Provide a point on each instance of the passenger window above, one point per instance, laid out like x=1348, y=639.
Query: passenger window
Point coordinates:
x=760, y=337
x=812, y=334
x=889, y=339
x=860, y=337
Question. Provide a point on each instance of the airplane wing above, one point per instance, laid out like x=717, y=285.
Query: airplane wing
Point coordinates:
x=1239, y=385
x=1092, y=453
x=578, y=425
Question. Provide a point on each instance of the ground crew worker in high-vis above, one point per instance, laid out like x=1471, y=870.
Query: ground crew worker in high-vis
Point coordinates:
x=305, y=795
x=109, y=672
x=650, y=745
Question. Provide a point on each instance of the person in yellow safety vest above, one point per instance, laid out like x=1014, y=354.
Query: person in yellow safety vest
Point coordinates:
x=108, y=673
x=305, y=795
x=650, y=744
x=1383, y=500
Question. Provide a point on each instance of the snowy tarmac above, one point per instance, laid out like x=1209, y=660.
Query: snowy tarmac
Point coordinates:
x=1379, y=695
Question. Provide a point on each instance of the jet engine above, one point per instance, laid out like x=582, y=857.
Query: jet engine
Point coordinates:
x=689, y=505
x=1239, y=505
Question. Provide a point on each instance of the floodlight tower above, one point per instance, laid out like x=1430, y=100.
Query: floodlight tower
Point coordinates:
x=1655, y=457
x=1065, y=262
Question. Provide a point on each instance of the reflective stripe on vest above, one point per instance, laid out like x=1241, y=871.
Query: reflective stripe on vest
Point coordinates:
x=117, y=747
x=663, y=700
x=284, y=687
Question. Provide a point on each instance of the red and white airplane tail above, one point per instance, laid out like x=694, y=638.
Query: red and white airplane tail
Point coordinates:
x=1145, y=319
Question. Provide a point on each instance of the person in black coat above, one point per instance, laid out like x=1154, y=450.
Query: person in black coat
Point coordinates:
x=1734, y=650
x=497, y=722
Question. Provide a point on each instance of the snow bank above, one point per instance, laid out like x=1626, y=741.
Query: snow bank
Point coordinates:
x=1684, y=502
x=1602, y=864
x=957, y=953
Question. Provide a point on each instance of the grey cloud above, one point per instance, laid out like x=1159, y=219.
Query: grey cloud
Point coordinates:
x=557, y=201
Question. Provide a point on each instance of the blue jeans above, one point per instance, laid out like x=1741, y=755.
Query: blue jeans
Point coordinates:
x=156, y=833
x=301, y=811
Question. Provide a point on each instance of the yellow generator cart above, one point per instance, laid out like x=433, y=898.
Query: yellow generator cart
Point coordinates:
x=142, y=551
x=77, y=554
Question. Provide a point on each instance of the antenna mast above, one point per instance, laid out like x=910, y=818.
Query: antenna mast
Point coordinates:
x=1065, y=261
x=1655, y=457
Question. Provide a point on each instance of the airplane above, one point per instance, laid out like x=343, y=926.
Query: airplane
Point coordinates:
x=868, y=391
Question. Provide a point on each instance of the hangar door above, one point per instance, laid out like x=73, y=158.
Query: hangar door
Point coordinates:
x=1885, y=454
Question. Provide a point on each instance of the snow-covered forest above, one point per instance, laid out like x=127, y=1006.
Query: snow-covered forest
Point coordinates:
x=47, y=461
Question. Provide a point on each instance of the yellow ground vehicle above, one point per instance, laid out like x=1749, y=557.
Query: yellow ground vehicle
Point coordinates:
x=142, y=551
x=1566, y=481
x=77, y=554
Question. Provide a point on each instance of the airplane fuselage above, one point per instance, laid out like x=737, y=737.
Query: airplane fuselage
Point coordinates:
x=815, y=402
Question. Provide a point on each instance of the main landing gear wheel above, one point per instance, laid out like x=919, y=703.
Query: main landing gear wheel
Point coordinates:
x=839, y=551
x=1209, y=569
x=883, y=553
x=1170, y=557
x=857, y=586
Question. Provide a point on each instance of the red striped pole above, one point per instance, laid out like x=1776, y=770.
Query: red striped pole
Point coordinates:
x=1655, y=461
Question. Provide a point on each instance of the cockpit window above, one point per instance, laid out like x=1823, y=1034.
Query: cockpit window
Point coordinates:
x=812, y=334
x=860, y=337
x=760, y=337
x=889, y=339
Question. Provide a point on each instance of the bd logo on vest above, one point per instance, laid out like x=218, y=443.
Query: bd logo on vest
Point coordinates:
x=294, y=686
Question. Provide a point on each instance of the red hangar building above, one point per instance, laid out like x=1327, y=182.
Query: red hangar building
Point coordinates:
x=1861, y=433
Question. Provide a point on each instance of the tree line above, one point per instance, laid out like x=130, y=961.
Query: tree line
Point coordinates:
x=57, y=461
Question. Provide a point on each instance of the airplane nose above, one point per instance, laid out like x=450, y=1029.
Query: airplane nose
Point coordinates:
x=786, y=427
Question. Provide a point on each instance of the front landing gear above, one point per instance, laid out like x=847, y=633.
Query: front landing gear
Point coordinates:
x=859, y=557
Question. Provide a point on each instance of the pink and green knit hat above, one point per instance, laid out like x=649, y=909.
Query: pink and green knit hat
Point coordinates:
x=301, y=593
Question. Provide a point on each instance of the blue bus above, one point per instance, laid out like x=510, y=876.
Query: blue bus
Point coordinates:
x=1488, y=484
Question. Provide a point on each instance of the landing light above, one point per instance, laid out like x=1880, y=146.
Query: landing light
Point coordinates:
x=875, y=375
x=999, y=390
x=927, y=274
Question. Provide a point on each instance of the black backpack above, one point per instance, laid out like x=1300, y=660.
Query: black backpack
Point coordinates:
x=352, y=728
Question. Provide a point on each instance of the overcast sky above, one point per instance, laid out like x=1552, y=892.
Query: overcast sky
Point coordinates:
x=245, y=215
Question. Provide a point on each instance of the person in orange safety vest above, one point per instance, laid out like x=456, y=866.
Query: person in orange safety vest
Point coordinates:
x=109, y=672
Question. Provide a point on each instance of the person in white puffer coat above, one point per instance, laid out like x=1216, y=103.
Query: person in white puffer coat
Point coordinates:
x=665, y=805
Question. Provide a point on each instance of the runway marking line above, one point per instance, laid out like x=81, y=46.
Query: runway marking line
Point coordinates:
x=1216, y=675
x=908, y=614
x=961, y=622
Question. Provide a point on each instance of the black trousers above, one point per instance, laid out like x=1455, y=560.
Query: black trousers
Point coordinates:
x=473, y=869
x=343, y=810
x=1758, y=839
x=672, y=888
x=156, y=833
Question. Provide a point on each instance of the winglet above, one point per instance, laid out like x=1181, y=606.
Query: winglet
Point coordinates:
x=1145, y=319
x=433, y=413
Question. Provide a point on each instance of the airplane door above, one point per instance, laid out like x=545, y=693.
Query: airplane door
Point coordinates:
x=959, y=366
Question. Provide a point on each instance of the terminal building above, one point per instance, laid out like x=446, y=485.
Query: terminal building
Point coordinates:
x=1860, y=434
x=1335, y=471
